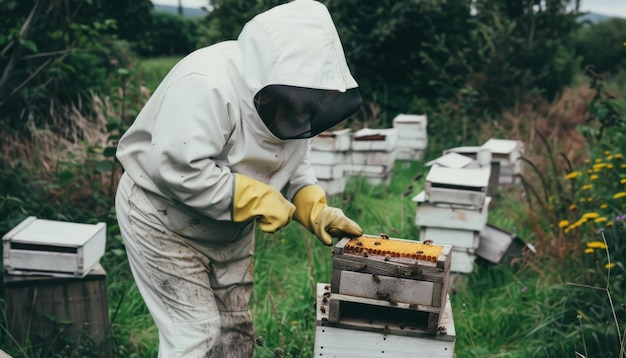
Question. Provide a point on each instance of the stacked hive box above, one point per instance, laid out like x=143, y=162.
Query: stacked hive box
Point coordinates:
x=506, y=153
x=373, y=154
x=452, y=210
x=412, y=136
x=329, y=152
x=386, y=287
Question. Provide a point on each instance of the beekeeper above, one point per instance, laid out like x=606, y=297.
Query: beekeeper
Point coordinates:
x=221, y=144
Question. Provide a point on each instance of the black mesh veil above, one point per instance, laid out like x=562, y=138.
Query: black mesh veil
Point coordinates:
x=291, y=112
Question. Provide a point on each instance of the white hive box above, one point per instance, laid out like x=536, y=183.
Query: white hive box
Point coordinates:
x=462, y=260
x=333, y=341
x=386, y=159
x=457, y=186
x=54, y=248
x=412, y=143
x=328, y=171
x=333, y=186
x=327, y=158
x=452, y=160
x=458, y=239
x=411, y=126
x=496, y=244
x=403, y=153
x=332, y=141
x=505, y=151
x=368, y=139
x=481, y=155
x=450, y=216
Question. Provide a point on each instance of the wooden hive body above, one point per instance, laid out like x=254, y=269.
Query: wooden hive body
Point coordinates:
x=378, y=279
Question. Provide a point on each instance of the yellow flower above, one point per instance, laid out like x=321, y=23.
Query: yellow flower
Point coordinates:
x=622, y=166
x=621, y=194
x=609, y=224
x=573, y=175
x=622, y=181
x=607, y=152
x=609, y=166
x=294, y=322
x=590, y=215
x=617, y=155
x=563, y=223
x=566, y=230
x=604, y=206
x=594, y=177
x=609, y=266
x=587, y=186
x=589, y=171
x=596, y=245
x=572, y=207
x=598, y=160
x=597, y=167
x=600, y=219
x=589, y=251
x=587, y=161
x=609, y=157
x=582, y=200
x=589, y=199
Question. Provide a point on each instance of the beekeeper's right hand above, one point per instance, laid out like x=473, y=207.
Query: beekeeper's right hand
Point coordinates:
x=256, y=200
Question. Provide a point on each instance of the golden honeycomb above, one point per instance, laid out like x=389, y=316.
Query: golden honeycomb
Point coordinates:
x=384, y=246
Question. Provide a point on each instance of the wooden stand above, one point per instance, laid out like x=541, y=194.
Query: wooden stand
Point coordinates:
x=44, y=310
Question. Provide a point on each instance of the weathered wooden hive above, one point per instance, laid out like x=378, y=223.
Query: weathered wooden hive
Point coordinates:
x=389, y=285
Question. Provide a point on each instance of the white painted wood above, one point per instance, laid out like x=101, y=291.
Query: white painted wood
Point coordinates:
x=326, y=157
x=494, y=243
x=482, y=155
x=328, y=171
x=401, y=290
x=332, y=141
x=413, y=143
x=504, y=150
x=451, y=160
x=367, y=169
x=450, y=216
x=460, y=239
x=409, y=154
x=462, y=261
x=457, y=186
x=57, y=248
x=411, y=125
x=386, y=159
x=333, y=186
x=349, y=343
x=364, y=139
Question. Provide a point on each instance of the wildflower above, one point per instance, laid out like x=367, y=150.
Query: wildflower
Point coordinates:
x=572, y=207
x=600, y=230
x=609, y=224
x=587, y=186
x=587, y=161
x=609, y=157
x=609, y=166
x=596, y=245
x=598, y=160
x=623, y=181
x=607, y=152
x=563, y=223
x=617, y=155
x=573, y=175
x=590, y=215
x=589, y=171
x=582, y=200
x=589, y=199
x=600, y=219
x=604, y=206
x=294, y=322
x=597, y=167
x=609, y=266
x=621, y=194
x=622, y=166
x=589, y=251
x=594, y=177
x=566, y=230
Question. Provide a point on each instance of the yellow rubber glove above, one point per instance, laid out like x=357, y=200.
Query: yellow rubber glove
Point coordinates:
x=324, y=221
x=256, y=200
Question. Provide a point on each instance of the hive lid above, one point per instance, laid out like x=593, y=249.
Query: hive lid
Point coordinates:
x=50, y=232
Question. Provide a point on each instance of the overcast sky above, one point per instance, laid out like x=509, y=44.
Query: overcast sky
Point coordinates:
x=605, y=7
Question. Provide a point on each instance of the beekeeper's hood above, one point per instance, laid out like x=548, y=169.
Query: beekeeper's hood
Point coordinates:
x=295, y=68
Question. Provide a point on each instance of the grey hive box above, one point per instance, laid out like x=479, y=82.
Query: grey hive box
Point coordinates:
x=54, y=248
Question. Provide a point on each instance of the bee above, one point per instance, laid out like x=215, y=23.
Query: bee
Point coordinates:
x=442, y=330
x=376, y=278
x=387, y=257
x=376, y=243
x=326, y=294
x=386, y=330
x=327, y=287
x=407, y=273
x=401, y=326
x=322, y=309
x=384, y=236
x=360, y=267
x=324, y=299
x=413, y=306
x=365, y=254
x=392, y=302
x=428, y=242
x=359, y=243
x=419, y=252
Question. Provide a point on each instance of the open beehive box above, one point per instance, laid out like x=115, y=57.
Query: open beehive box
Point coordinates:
x=381, y=283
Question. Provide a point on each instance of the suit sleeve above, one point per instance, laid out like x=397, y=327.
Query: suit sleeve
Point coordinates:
x=303, y=176
x=192, y=125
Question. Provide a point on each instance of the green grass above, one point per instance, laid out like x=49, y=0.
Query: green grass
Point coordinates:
x=153, y=70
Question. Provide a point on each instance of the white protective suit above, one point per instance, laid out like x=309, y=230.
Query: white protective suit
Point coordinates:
x=191, y=261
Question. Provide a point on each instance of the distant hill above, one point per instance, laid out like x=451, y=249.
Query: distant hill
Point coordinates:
x=593, y=18
x=190, y=12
